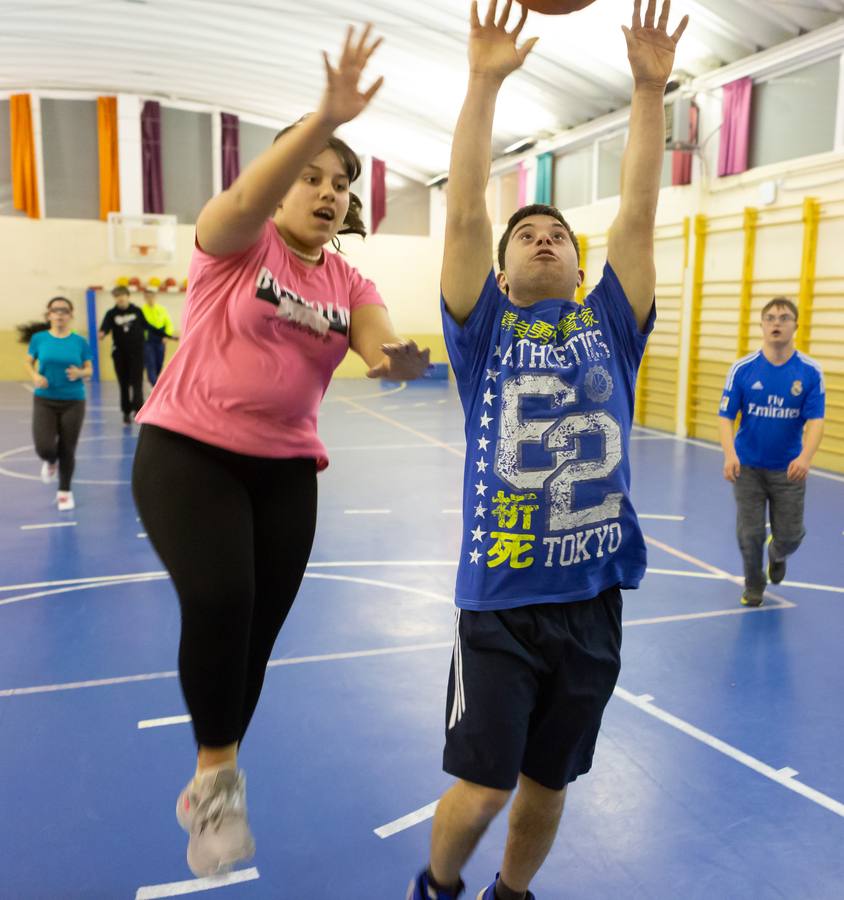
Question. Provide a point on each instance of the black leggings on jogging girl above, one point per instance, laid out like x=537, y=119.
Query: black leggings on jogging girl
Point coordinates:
x=235, y=533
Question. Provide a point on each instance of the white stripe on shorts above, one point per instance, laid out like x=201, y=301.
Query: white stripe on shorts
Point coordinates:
x=458, y=706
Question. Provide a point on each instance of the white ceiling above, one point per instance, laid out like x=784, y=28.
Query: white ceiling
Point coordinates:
x=262, y=57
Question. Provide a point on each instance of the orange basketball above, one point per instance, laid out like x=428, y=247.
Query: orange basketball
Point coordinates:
x=556, y=7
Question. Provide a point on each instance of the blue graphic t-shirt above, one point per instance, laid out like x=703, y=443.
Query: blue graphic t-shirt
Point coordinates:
x=548, y=396
x=774, y=402
x=53, y=356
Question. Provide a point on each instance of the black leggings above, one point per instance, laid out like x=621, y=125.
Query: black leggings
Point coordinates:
x=235, y=533
x=55, y=431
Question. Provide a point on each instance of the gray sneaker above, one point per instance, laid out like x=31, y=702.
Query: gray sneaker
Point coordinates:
x=213, y=811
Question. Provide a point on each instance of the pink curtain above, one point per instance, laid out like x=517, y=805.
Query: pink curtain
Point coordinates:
x=379, y=192
x=523, y=178
x=681, y=162
x=231, y=148
x=735, y=127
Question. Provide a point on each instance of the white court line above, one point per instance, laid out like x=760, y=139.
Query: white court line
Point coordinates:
x=420, y=434
x=367, y=512
x=707, y=446
x=48, y=525
x=272, y=664
x=195, y=885
x=813, y=587
x=666, y=518
x=368, y=447
x=168, y=720
x=396, y=390
x=644, y=702
x=782, y=777
x=80, y=587
x=408, y=821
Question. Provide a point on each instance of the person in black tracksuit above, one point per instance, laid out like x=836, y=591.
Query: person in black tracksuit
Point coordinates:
x=126, y=324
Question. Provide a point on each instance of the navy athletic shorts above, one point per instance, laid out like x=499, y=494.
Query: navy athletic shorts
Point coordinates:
x=527, y=690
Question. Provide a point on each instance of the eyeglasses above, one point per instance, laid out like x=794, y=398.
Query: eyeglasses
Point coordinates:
x=62, y=310
x=770, y=318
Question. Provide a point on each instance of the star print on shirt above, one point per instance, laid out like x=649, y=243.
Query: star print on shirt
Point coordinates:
x=483, y=443
x=481, y=464
x=489, y=397
x=477, y=534
x=480, y=488
x=497, y=352
x=485, y=420
x=474, y=556
x=492, y=374
x=480, y=511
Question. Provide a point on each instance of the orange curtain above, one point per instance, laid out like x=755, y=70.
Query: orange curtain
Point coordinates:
x=24, y=177
x=109, y=166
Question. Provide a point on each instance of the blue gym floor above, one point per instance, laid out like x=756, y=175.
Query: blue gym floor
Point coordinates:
x=718, y=773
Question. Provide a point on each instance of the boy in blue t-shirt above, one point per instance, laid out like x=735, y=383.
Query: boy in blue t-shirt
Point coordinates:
x=780, y=395
x=549, y=533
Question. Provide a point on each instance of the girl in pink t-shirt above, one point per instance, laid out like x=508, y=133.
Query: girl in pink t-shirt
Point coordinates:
x=225, y=470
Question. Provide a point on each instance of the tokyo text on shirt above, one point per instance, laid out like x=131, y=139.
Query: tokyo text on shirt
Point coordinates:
x=548, y=393
x=775, y=402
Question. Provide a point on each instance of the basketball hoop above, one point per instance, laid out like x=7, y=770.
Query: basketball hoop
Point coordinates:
x=144, y=249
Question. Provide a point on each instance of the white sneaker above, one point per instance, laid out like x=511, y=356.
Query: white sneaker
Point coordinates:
x=64, y=500
x=48, y=472
x=212, y=809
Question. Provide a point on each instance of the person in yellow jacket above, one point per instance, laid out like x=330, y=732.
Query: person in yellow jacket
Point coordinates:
x=158, y=329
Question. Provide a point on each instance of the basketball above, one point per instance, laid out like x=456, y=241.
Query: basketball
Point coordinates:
x=555, y=7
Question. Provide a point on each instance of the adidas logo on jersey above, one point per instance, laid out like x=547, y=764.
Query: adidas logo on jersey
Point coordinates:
x=758, y=386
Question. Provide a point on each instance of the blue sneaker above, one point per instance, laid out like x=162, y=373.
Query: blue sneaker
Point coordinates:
x=419, y=889
x=489, y=893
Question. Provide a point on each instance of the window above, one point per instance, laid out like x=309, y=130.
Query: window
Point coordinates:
x=254, y=140
x=610, y=152
x=793, y=115
x=186, y=161
x=6, y=208
x=573, y=178
x=71, y=159
x=508, y=198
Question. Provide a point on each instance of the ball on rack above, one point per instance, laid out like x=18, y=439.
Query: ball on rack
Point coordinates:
x=556, y=7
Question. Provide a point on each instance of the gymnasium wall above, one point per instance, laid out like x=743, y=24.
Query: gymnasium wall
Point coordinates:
x=41, y=258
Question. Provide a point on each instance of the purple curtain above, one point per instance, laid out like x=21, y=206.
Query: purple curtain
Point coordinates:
x=379, y=192
x=231, y=148
x=151, y=157
x=735, y=127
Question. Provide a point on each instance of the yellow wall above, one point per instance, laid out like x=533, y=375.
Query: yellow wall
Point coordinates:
x=703, y=325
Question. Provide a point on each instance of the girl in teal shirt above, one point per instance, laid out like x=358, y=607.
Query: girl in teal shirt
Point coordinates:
x=57, y=360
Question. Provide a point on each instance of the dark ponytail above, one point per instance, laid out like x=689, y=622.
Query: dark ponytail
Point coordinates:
x=28, y=329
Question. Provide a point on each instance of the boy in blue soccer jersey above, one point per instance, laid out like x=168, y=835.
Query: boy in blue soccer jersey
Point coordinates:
x=550, y=535
x=779, y=392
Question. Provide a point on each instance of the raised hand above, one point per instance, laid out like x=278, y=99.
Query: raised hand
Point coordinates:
x=492, y=49
x=403, y=361
x=650, y=48
x=343, y=98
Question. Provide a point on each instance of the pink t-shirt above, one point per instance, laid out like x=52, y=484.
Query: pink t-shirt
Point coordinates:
x=261, y=337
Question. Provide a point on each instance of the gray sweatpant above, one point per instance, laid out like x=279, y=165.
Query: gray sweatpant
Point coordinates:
x=755, y=490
